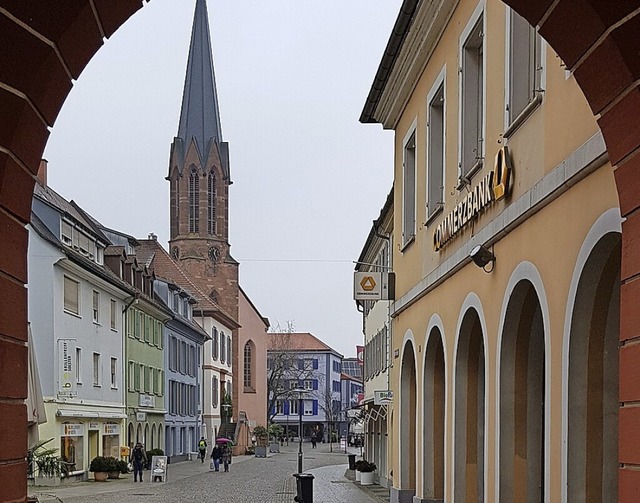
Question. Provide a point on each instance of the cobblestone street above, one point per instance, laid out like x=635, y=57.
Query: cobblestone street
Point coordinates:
x=250, y=479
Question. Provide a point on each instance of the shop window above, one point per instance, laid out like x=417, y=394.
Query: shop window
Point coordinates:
x=72, y=446
x=71, y=295
x=409, y=190
x=472, y=101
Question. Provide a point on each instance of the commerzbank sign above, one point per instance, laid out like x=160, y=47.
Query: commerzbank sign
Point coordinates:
x=493, y=187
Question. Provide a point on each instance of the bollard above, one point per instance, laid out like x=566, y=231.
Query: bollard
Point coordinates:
x=352, y=461
x=304, y=487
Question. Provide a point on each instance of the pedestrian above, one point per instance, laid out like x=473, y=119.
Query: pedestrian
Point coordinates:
x=139, y=458
x=314, y=441
x=216, y=454
x=226, y=457
x=202, y=447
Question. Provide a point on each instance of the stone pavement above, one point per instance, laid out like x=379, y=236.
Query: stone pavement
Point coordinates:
x=250, y=479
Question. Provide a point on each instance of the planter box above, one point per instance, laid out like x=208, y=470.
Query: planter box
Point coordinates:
x=366, y=478
x=358, y=475
x=261, y=452
x=100, y=476
x=274, y=447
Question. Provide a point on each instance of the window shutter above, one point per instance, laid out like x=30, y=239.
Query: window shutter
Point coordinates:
x=315, y=384
x=315, y=364
x=315, y=407
x=286, y=408
x=300, y=364
x=300, y=383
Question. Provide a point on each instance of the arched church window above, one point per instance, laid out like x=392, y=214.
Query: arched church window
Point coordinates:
x=211, y=202
x=194, y=200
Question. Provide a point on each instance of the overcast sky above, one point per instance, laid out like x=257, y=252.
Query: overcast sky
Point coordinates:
x=308, y=178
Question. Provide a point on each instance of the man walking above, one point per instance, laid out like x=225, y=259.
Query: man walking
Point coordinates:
x=139, y=458
x=202, y=447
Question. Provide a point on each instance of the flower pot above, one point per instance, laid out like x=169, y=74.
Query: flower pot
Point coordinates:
x=358, y=475
x=100, y=476
x=114, y=475
x=366, y=478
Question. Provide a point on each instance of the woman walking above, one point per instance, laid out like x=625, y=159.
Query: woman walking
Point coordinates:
x=226, y=457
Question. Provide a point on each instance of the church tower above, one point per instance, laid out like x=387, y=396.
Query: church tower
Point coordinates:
x=199, y=178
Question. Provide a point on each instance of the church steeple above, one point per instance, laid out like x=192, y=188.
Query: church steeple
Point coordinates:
x=199, y=178
x=200, y=115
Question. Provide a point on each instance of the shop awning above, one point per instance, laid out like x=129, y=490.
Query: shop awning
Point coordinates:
x=95, y=414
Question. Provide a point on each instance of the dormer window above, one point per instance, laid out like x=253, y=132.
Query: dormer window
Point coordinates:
x=66, y=233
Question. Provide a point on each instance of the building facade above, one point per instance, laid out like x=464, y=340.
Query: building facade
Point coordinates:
x=376, y=256
x=77, y=323
x=507, y=256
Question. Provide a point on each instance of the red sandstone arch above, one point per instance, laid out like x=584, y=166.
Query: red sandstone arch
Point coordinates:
x=46, y=44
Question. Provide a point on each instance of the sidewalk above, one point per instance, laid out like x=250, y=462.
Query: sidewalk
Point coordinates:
x=251, y=479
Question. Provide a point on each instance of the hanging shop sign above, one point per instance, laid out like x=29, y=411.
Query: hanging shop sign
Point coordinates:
x=373, y=286
x=383, y=397
x=493, y=187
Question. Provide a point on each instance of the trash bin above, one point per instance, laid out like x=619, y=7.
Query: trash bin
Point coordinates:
x=304, y=487
x=352, y=461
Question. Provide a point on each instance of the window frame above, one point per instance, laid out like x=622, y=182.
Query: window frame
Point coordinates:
x=409, y=228
x=69, y=309
x=95, y=306
x=97, y=374
x=477, y=22
x=438, y=88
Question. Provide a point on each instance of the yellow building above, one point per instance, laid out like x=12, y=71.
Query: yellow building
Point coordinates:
x=507, y=262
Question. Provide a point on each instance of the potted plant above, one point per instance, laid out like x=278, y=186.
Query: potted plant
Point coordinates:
x=366, y=472
x=275, y=432
x=101, y=466
x=358, y=469
x=262, y=435
x=45, y=465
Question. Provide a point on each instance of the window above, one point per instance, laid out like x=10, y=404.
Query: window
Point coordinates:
x=78, y=365
x=248, y=365
x=215, y=393
x=66, y=233
x=147, y=378
x=211, y=203
x=131, y=380
x=214, y=343
x=96, y=306
x=114, y=369
x=308, y=384
x=96, y=369
x=409, y=190
x=435, y=152
x=472, y=102
x=293, y=406
x=307, y=407
x=114, y=311
x=71, y=295
x=194, y=200
x=223, y=350
x=524, y=69
x=228, y=350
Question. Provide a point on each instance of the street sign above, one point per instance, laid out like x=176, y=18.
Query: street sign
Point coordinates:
x=383, y=397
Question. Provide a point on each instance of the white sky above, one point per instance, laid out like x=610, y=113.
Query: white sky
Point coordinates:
x=292, y=79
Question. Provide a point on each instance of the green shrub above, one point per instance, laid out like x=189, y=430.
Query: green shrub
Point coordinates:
x=103, y=464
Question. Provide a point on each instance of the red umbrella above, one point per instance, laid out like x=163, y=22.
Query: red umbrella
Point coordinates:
x=223, y=440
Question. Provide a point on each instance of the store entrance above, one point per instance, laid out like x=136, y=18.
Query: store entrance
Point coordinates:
x=93, y=444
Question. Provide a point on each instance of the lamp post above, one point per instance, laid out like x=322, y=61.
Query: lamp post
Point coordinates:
x=225, y=407
x=301, y=392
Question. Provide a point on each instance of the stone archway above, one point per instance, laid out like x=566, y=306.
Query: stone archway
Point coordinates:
x=597, y=40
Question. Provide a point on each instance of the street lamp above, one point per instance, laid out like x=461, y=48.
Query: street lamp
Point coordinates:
x=300, y=392
x=226, y=408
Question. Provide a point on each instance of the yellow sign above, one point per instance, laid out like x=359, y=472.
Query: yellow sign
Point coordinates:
x=124, y=451
x=492, y=187
x=368, y=284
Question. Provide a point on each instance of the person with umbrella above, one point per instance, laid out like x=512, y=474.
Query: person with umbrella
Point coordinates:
x=226, y=456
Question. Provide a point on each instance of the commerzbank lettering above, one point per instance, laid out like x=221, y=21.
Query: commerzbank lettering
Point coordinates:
x=493, y=187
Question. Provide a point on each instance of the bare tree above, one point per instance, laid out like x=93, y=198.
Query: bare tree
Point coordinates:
x=329, y=403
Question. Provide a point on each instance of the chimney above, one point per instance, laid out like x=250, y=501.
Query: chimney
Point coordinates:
x=42, y=172
x=153, y=237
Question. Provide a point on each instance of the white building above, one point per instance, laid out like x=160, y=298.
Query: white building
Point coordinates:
x=76, y=313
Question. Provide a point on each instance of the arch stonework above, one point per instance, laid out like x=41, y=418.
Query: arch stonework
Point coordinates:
x=597, y=41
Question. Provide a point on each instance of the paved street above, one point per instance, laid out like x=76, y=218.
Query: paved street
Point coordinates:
x=251, y=479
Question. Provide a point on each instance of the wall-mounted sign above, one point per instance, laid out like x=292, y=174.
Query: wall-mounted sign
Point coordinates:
x=141, y=417
x=110, y=429
x=373, y=286
x=493, y=187
x=72, y=430
x=146, y=400
x=93, y=425
x=383, y=397
x=66, y=367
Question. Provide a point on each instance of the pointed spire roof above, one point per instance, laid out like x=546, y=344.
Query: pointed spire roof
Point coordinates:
x=200, y=116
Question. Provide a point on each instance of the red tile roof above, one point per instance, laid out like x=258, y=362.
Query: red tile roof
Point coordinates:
x=298, y=341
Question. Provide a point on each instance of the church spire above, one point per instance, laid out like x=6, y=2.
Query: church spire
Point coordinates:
x=200, y=116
